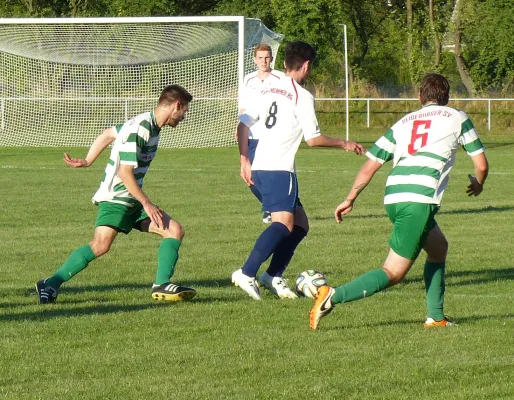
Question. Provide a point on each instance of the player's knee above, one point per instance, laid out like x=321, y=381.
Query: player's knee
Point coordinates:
x=100, y=247
x=439, y=251
x=175, y=231
x=395, y=276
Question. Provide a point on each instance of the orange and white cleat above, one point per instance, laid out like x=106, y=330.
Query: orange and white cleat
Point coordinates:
x=322, y=306
x=432, y=323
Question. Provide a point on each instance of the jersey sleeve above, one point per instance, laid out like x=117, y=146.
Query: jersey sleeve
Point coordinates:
x=383, y=149
x=251, y=113
x=306, y=114
x=131, y=141
x=468, y=138
x=245, y=97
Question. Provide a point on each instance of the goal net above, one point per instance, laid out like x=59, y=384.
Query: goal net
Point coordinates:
x=62, y=81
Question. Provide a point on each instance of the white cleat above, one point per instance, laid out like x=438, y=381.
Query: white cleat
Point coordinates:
x=277, y=285
x=247, y=283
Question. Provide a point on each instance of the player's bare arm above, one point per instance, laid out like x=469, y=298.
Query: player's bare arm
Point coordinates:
x=101, y=142
x=362, y=180
x=241, y=111
x=126, y=173
x=481, y=171
x=327, y=141
x=246, y=167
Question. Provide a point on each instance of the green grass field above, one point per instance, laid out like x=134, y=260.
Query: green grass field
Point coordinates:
x=107, y=339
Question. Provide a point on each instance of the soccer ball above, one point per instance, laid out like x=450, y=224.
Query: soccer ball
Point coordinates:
x=308, y=283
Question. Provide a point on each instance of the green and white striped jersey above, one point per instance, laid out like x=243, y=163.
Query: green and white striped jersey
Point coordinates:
x=422, y=146
x=135, y=144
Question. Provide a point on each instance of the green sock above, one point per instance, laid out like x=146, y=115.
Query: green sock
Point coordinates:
x=76, y=262
x=364, y=286
x=167, y=258
x=434, y=286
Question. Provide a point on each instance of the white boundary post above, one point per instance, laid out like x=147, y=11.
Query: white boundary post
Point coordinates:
x=346, y=84
x=241, y=54
x=346, y=81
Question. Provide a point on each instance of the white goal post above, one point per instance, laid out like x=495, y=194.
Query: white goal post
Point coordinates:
x=63, y=80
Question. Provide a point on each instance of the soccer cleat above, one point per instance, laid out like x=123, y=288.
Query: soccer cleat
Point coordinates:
x=266, y=217
x=432, y=323
x=172, y=292
x=322, y=306
x=277, y=285
x=247, y=283
x=46, y=294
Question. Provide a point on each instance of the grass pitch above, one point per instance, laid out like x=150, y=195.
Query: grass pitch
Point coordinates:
x=107, y=339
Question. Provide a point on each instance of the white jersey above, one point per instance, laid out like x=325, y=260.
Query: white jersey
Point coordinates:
x=284, y=112
x=422, y=146
x=252, y=87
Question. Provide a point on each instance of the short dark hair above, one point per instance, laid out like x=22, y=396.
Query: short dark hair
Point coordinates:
x=434, y=88
x=297, y=53
x=172, y=93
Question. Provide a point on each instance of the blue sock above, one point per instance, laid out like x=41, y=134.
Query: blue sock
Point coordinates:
x=265, y=245
x=285, y=250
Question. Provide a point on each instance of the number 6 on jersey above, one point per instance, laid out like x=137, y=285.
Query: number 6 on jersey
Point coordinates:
x=419, y=135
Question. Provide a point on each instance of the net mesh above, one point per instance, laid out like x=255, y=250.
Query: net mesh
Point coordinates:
x=60, y=85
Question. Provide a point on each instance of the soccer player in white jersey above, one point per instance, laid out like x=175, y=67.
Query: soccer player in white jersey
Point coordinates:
x=122, y=203
x=254, y=83
x=285, y=113
x=422, y=146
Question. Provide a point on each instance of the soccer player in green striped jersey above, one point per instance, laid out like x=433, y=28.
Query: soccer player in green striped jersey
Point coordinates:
x=422, y=147
x=122, y=203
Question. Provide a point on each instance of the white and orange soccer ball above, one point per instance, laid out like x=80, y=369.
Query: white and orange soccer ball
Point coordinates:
x=308, y=283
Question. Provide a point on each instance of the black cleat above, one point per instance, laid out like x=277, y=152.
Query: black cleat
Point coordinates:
x=46, y=294
x=172, y=292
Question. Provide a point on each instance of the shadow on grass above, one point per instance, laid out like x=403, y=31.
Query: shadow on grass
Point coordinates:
x=62, y=309
x=25, y=292
x=403, y=322
x=475, y=277
x=449, y=212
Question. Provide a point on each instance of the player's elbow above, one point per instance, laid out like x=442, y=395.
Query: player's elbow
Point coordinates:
x=312, y=142
x=481, y=164
x=125, y=171
x=109, y=134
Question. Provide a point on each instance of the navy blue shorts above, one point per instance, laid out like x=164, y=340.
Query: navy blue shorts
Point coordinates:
x=277, y=189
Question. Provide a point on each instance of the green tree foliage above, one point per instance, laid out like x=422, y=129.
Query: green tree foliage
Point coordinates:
x=488, y=28
x=391, y=43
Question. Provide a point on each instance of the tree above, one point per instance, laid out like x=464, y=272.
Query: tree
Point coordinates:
x=487, y=29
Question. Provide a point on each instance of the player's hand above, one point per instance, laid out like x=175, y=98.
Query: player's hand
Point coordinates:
x=235, y=136
x=342, y=209
x=75, y=162
x=474, y=188
x=154, y=213
x=357, y=148
x=246, y=172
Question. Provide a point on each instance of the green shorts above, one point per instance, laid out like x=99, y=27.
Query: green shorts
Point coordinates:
x=120, y=217
x=412, y=224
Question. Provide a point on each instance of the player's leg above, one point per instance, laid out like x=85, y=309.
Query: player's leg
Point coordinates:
x=111, y=219
x=410, y=231
x=436, y=247
x=278, y=196
x=273, y=277
x=172, y=235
